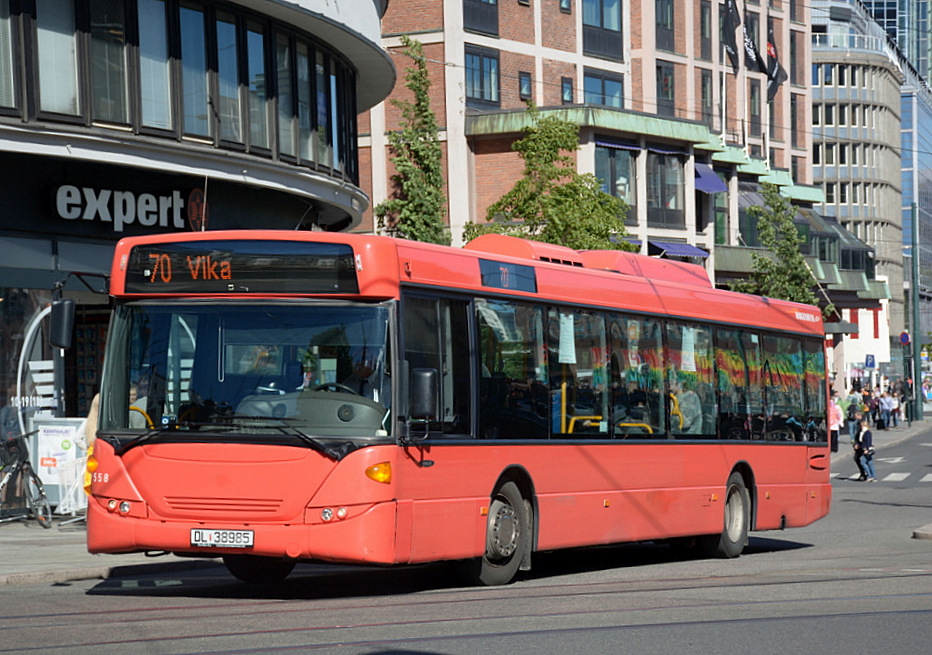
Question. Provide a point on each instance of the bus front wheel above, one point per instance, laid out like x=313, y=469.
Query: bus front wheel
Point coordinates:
x=258, y=570
x=734, y=537
x=507, y=534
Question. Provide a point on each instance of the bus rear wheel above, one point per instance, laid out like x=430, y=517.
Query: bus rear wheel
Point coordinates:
x=507, y=534
x=734, y=537
x=258, y=570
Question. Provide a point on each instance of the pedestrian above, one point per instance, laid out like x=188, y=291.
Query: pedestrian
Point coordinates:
x=836, y=420
x=895, y=411
x=886, y=410
x=859, y=450
x=867, y=453
x=853, y=415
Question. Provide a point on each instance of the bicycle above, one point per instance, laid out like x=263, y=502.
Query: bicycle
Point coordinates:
x=15, y=456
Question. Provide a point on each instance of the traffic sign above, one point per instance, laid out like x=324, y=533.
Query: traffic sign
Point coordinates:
x=904, y=338
x=870, y=361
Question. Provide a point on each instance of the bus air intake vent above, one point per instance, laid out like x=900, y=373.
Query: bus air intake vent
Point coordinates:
x=224, y=505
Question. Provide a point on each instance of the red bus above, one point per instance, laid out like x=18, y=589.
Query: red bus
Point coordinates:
x=271, y=397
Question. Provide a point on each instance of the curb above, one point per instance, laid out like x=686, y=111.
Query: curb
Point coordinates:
x=925, y=532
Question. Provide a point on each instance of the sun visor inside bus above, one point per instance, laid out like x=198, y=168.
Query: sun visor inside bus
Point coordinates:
x=241, y=266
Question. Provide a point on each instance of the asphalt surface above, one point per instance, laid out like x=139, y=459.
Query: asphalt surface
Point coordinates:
x=32, y=554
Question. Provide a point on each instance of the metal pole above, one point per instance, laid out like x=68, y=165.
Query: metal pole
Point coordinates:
x=917, y=333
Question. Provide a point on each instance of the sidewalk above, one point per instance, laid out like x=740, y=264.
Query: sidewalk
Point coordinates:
x=843, y=461
x=32, y=554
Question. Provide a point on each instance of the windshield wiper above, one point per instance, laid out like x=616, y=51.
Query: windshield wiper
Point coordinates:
x=335, y=452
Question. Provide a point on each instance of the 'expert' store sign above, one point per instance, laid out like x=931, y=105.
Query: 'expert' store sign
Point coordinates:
x=119, y=208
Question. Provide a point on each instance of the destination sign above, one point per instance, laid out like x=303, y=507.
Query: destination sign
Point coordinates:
x=248, y=267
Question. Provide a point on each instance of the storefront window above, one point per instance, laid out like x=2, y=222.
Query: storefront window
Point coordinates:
x=194, y=71
x=231, y=127
x=258, y=88
x=58, y=58
x=7, y=98
x=26, y=359
x=108, y=61
x=154, y=71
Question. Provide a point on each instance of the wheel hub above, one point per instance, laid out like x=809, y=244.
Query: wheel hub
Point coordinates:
x=503, y=532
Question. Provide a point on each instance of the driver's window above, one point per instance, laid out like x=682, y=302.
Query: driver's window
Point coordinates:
x=436, y=336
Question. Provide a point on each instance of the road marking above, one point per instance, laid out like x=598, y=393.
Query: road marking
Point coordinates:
x=891, y=460
x=896, y=477
x=926, y=478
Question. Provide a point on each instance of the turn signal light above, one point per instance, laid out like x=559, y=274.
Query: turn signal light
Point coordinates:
x=381, y=472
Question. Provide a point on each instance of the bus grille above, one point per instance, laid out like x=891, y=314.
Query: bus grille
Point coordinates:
x=250, y=506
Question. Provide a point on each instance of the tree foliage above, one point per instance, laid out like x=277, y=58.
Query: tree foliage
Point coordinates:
x=783, y=272
x=552, y=202
x=417, y=207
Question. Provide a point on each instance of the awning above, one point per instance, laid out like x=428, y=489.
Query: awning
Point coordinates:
x=613, y=143
x=674, y=249
x=707, y=181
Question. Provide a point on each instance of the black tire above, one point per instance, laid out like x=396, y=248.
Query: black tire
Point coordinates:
x=37, y=502
x=734, y=537
x=258, y=570
x=507, y=534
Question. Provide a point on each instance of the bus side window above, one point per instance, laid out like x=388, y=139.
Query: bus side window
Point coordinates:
x=578, y=369
x=513, y=387
x=637, y=378
x=738, y=367
x=689, y=376
x=783, y=388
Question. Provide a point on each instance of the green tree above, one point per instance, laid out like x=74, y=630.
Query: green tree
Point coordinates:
x=782, y=272
x=417, y=207
x=552, y=202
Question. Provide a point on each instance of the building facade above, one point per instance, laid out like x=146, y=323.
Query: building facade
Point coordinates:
x=668, y=120
x=127, y=117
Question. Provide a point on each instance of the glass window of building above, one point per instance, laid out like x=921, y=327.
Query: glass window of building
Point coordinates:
x=817, y=154
x=830, y=154
x=666, y=89
x=194, y=71
x=566, y=90
x=829, y=111
x=154, y=66
x=524, y=85
x=816, y=78
x=482, y=84
x=109, y=94
x=257, y=86
x=754, y=107
x=481, y=16
x=58, y=57
x=829, y=192
x=602, y=34
x=305, y=93
x=324, y=143
x=228, y=86
x=7, y=83
x=707, y=93
x=816, y=114
x=705, y=30
x=616, y=167
x=601, y=88
x=666, y=190
x=665, y=25
x=842, y=115
x=843, y=154
x=284, y=70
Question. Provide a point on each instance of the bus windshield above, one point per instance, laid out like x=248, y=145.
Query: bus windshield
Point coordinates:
x=253, y=371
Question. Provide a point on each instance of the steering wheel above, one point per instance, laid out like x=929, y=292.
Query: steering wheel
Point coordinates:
x=335, y=386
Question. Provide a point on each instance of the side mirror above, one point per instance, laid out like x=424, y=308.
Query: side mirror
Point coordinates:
x=62, y=318
x=422, y=394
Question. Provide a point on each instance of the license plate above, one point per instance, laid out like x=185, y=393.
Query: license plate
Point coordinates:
x=209, y=538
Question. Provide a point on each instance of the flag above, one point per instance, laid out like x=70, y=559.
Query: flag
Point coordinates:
x=775, y=72
x=752, y=56
x=731, y=23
